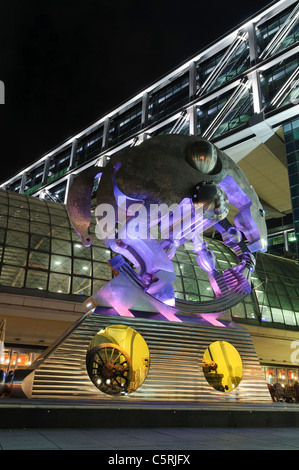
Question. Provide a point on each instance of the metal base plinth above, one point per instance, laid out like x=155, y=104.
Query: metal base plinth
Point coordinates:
x=17, y=414
x=175, y=372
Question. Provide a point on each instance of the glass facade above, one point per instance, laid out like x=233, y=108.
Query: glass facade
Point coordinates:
x=237, y=115
x=267, y=31
x=34, y=180
x=276, y=286
x=124, y=125
x=283, y=243
x=237, y=63
x=40, y=250
x=274, y=78
x=291, y=134
x=88, y=147
x=56, y=193
x=169, y=99
x=59, y=165
x=261, y=56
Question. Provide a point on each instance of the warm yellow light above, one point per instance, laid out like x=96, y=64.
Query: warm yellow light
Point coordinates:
x=222, y=366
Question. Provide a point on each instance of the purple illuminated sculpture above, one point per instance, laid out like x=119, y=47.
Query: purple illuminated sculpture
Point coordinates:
x=156, y=196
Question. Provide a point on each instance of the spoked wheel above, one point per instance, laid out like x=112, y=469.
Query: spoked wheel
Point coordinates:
x=109, y=368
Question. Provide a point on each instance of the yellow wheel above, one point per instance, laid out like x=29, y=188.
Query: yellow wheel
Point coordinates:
x=109, y=368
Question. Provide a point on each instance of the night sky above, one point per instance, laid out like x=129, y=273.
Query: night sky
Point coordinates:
x=66, y=63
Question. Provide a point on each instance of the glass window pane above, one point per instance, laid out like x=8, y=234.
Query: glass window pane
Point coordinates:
x=56, y=208
x=285, y=302
x=58, y=232
x=81, y=251
x=219, y=255
x=40, y=242
x=60, y=221
x=295, y=303
x=38, y=259
x=3, y=198
x=280, y=288
x=192, y=297
x=15, y=256
x=289, y=317
x=37, y=279
x=39, y=217
x=290, y=290
x=177, y=284
x=2, y=235
x=12, y=276
x=273, y=300
x=222, y=264
x=190, y=285
x=101, y=254
x=205, y=289
x=62, y=247
x=59, y=283
x=82, y=267
x=179, y=295
x=3, y=222
x=251, y=310
x=201, y=274
x=81, y=286
x=15, y=238
x=177, y=270
x=270, y=287
x=18, y=212
x=3, y=209
x=277, y=315
x=39, y=228
x=61, y=264
x=37, y=204
x=187, y=271
x=102, y=271
x=17, y=224
x=261, y=297
x=239, y=310
x=266, y=313
x=16, y=200
x=183, y=257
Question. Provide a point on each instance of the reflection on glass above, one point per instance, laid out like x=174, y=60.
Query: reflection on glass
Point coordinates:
x=222, y=366
x=117, y=360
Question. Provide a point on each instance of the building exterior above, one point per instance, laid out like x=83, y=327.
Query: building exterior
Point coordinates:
x=47, y=274
x=241, y=92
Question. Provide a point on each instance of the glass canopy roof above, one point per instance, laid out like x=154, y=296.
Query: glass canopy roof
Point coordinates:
x=39, y=250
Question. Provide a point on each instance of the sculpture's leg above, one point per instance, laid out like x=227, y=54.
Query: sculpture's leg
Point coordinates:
x=206, y=259
x=153, y=266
